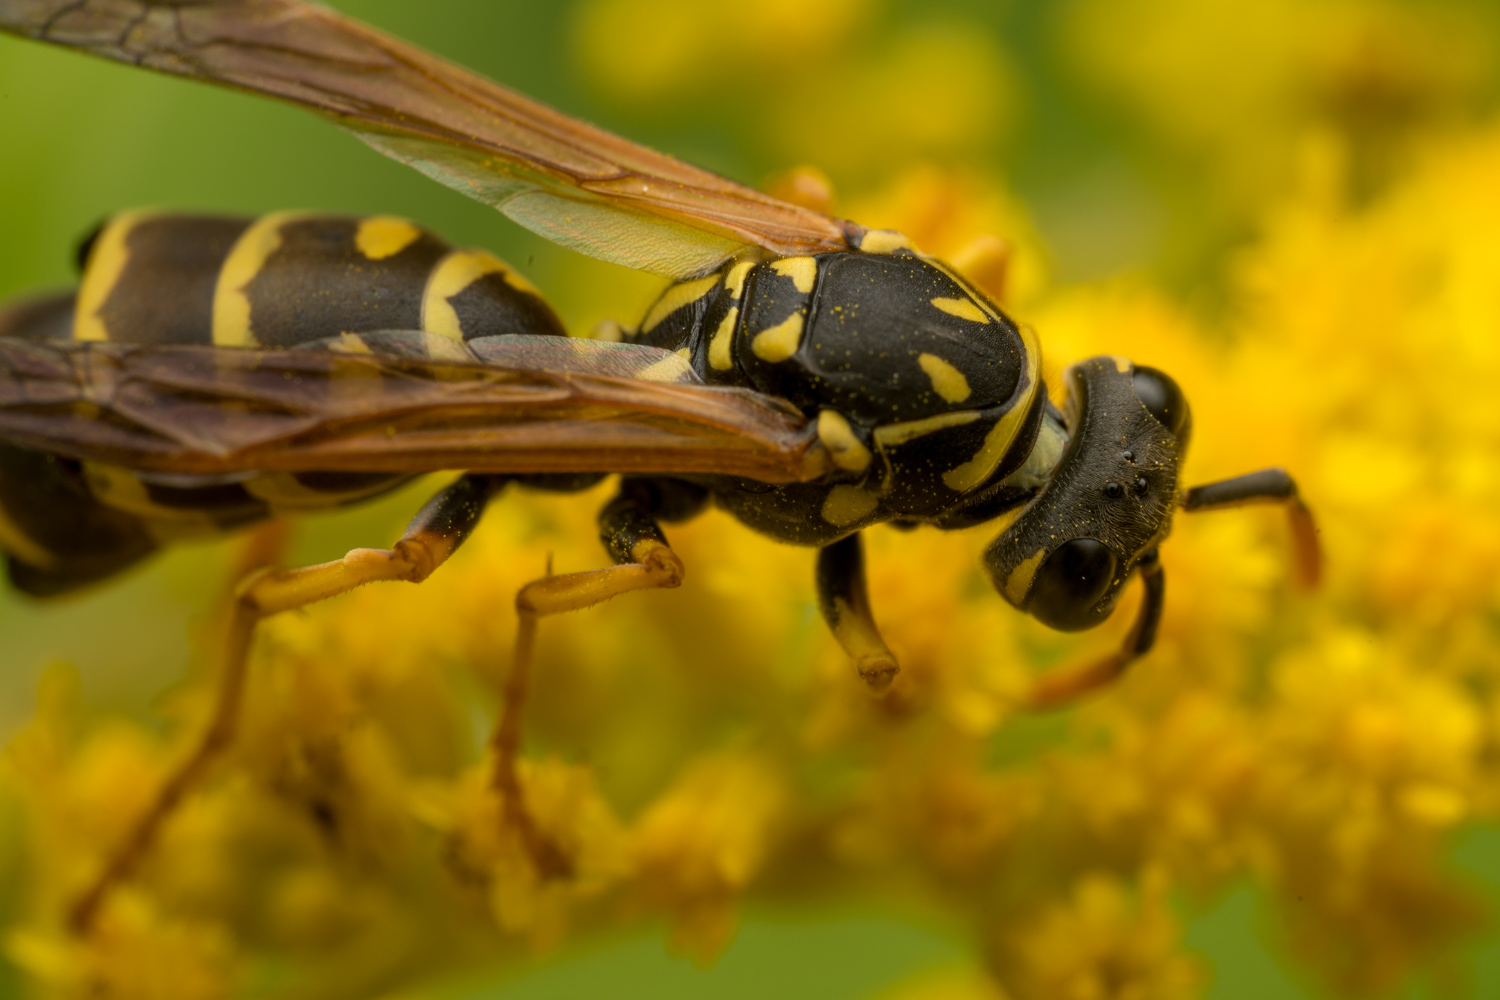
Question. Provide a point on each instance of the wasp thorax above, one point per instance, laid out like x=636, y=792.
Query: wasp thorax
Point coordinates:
x=1068, y=554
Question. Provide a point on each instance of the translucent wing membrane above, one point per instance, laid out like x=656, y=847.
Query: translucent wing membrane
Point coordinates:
x=575, y=184
x=208, y=410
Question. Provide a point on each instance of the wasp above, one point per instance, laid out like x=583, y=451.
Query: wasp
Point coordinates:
x=809, y=375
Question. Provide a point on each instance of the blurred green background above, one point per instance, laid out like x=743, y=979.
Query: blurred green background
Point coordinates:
x=1011, y=90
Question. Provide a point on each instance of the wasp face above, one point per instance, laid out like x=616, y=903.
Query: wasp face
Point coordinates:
x=1109, y=502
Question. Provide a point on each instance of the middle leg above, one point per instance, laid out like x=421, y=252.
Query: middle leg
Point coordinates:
x=643, y=561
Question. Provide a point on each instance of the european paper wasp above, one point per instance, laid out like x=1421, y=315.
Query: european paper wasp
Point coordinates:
x=809, y=375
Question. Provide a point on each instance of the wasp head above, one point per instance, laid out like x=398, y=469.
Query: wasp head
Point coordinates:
x=1108, y=503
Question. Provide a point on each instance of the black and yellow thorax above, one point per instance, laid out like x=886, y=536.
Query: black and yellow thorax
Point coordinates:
x=925, y=393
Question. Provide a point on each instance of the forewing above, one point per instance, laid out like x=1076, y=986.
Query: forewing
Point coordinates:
x=209, y=410
x=575, y=184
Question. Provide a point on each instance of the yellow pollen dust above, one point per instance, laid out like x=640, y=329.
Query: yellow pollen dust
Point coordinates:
x=779, y=342
x=962, y=308
x=802, y=270
x=383, y=236
x=947, y=381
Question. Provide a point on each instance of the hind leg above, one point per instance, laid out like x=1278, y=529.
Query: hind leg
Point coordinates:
x=431, y=537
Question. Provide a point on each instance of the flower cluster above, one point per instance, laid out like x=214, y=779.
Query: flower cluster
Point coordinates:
x=690, y=750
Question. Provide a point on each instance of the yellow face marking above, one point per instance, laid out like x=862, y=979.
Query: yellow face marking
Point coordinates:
x=894, y=434
x=720, y=355
x=1019, y=581
x=947, y=381
x=997, y=442
x=962, y=308
x=779, y=342
x=847, y=450
x=23, y=546
x=105, y=265
x=246, y=258
x=802, y=270
x=382, y=236
x=455, y=272
x=734, y=281
x=885, y=241
x=682, y=294
x=846, y=505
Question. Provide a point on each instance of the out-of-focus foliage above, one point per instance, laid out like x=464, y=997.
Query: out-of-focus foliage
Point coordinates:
x=700, y=750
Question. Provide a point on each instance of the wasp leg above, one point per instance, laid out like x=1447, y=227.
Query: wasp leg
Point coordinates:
x=1267, y=486
x=1061, y=689
x=431, y=537
x=844, y=600
x=644, y=561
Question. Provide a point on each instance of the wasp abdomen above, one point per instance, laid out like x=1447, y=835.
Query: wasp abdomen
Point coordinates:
x=290, y=278
x=279, y=281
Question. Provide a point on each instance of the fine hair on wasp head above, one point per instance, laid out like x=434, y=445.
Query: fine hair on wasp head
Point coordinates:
x=1109, y=502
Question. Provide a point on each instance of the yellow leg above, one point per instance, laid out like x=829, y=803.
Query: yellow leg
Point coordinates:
x=652, y=565
x=431, y=538
x=844, y=599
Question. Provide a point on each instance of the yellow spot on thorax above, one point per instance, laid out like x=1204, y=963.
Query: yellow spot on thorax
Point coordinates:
x=246, y=258
x=894, y=434
x=105, y=265
x=846, y=505
x=802, y=270
x=885, y=241
x=962, y=308
x=779, y=342
x=734, y=281
x=845, y=447
x=720, y=349
x=997, y=442
x=382, y=236
x=455, y=272
x=947, y=381
x=121, y=489
x=682, y=294
x=1019, y=582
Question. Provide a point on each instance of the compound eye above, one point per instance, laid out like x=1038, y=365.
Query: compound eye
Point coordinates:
x=1070, y=584
x=1160, y=395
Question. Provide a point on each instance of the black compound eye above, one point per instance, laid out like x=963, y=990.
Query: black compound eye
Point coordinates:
x=1160, y=395
x=1070, y=584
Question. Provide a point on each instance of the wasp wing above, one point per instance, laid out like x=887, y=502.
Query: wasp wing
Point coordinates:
x=575, y=184
x=211, y=410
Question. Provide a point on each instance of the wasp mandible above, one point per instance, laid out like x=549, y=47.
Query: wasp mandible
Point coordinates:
x=809, y=375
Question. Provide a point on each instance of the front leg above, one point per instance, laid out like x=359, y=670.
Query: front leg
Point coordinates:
x=844, y=599
x=1266, y=486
